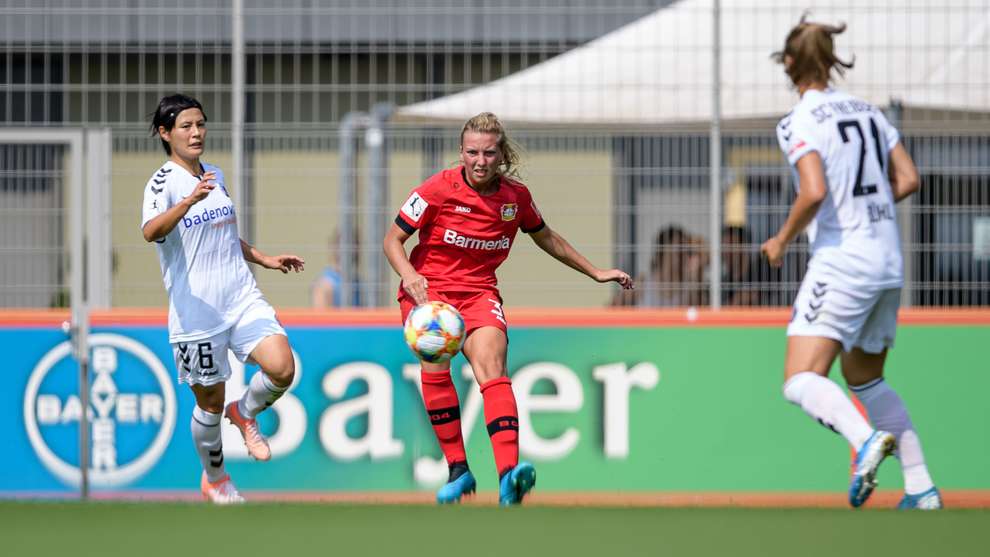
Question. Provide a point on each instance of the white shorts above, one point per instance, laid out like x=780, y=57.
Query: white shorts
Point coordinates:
x=857, y=317
x=204, y=361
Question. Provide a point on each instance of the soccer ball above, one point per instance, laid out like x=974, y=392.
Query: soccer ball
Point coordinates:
x=434, y=331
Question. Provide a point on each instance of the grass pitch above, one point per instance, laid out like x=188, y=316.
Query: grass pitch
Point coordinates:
x=109, y=529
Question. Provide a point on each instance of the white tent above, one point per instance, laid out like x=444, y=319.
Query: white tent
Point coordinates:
x=658, y=69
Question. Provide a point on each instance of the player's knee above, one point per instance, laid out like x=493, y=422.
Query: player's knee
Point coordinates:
x=487, y=372
x=435, y=368
x=212, y=407
x=283, y=371
x=210, y=399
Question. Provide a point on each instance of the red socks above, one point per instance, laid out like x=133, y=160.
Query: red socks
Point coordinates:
x=501, y=415
x=444, y=410
x=503, y=422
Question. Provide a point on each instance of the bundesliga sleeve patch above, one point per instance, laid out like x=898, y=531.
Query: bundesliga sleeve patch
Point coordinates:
x=415, y=206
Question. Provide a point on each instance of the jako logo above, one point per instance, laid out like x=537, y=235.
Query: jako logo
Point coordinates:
x=454, y=238
x=207, y=215
x=131, y=416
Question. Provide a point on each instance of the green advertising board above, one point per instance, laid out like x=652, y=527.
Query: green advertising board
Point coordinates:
x=603, y=408
x=701, y=409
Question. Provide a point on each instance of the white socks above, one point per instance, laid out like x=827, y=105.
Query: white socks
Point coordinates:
x=261, y=393
x=827, y=403
x=206, y=438
x=887, y=412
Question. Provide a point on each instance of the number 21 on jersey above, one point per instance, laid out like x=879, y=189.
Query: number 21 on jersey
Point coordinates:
x=844, y=126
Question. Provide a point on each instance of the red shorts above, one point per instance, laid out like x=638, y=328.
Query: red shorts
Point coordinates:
x=479, y=309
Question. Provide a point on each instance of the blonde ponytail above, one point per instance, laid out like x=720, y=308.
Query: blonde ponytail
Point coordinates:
x=812, y=52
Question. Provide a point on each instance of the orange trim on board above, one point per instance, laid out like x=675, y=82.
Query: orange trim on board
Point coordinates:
x=28, y=318
x=520, y=317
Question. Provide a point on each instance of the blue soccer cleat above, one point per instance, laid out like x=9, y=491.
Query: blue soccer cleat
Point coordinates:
x=879, y=446
x=516, y=483
x=452, y=491
x=929, y=500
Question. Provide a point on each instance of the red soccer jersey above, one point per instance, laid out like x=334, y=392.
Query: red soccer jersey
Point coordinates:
x=464, y=236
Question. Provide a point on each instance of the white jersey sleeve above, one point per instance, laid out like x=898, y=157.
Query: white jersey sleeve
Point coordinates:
x=798, y=137
x=156, y=196
x=888, y=132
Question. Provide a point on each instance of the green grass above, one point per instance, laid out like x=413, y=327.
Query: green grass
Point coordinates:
x=287, y=530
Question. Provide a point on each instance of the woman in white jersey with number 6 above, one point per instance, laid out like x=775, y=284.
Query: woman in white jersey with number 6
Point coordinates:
x=214, y=302
x=851, y=168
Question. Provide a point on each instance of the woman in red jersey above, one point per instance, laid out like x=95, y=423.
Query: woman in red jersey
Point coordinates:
x=467, y=219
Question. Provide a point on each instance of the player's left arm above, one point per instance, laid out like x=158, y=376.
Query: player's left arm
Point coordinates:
x=903, y=174
x=284, y=262
x=901, y=170
x=561, y=250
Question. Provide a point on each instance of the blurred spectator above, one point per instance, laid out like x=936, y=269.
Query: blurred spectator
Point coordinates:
x=740, y=268
x=676, y=274
x=326, y=292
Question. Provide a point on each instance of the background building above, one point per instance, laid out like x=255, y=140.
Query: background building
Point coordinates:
x=609, y=185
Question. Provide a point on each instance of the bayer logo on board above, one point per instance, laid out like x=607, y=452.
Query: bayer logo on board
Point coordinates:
x=131, y=411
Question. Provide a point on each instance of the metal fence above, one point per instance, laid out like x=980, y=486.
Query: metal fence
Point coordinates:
x=32, y=194
x=638, y=197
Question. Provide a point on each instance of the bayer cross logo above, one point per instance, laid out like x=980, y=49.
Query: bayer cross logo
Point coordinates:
x=131, y=414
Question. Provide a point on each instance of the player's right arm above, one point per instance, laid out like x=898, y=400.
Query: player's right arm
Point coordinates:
x=801, y=146
x=419, y=209
x=413, y=283
x=811, y=193
x=159, y=226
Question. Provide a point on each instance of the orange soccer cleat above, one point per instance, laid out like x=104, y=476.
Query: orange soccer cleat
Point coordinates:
x=222, y=492
x=257, y=445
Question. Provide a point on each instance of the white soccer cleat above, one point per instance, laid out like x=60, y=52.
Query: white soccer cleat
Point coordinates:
x=222, y=492
x=257, y=445
x=930, y=500
x=879, y=446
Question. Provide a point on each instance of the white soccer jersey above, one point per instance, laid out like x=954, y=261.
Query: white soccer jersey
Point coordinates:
x=854, y=235
x=208, y=281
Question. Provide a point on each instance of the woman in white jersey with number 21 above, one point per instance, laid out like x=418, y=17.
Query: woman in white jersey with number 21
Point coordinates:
x=214, y=301
x=851, y=169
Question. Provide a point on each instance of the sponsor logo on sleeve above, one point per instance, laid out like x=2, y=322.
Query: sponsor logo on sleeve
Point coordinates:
x=415, y=206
